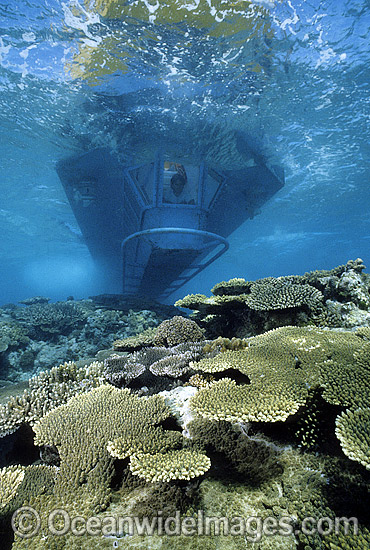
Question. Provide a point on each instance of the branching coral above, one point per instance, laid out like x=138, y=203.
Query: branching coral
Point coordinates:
x=170, y=332
x=353, y=432
x=46, y=391
x=262, y=295
x=10, y=479
x=11, y=335
x=181, y=464
x=122, y=369
x=172, y=361
x=282, y=293
x=224, y=400
x=105, y=419
x=51, y=318
x=339, y=297
x=232, y=287
x=283, y=367
x=136, y=342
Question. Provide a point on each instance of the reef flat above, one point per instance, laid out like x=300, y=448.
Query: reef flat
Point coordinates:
x=243, y=425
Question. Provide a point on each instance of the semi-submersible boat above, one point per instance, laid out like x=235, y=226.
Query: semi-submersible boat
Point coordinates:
x=156, y=225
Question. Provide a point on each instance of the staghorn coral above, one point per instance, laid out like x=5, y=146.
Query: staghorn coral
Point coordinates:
x=353, y=432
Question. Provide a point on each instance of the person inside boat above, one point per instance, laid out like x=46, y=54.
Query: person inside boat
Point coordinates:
x=179, y=191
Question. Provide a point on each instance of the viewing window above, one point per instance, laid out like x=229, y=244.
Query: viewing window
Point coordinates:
x=180, y=183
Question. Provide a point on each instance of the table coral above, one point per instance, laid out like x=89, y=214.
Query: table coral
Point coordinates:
x=353, y=431
x=337, y=297
x=283, y=367
x=177, y=464
x=10, y=479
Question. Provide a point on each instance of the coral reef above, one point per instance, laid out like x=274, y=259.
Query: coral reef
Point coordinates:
x=136, y=342
x=170, y=332
x=267, y=422
x=234, y=453
x=180, y=464
x=35, y=300
x=10, y=479
x=46, y=391
x=282, y=367
x=282, y=293
x=353, y=431
x=59, y=318
x=177, y=330
x=173, y=362
x=41, y=335
x=336, y=298
x=12, y=335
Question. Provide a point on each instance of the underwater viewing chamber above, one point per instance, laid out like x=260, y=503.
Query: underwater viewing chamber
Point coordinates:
x=158, y=224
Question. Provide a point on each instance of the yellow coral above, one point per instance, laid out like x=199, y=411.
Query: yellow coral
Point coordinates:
x=353, y=432
x=224, y=400
x=177, y=464
x=176, y=331
x=132, y=343
x=46, y=391
x=281, y=367
x=10, y=479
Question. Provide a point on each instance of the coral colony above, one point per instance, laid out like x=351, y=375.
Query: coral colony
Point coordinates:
x=255, y=406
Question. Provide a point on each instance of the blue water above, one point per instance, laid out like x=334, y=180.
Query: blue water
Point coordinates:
x=293, y=76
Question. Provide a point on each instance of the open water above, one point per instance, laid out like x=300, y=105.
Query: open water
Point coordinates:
x=292, y=76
